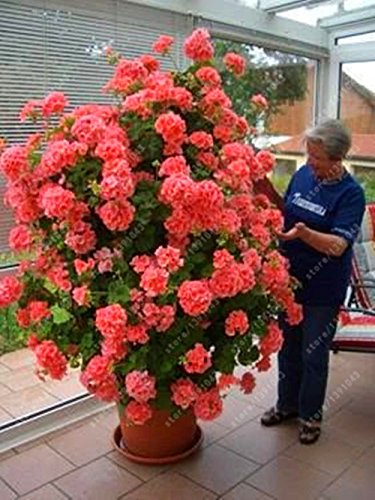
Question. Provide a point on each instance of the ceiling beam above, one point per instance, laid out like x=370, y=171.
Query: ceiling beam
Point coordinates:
x=356, y=52
x=353, y=17
x=273, y=6
x=253, y=24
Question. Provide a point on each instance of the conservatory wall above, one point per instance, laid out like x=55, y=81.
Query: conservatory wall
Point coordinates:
x=47, y=46
x=60, y=45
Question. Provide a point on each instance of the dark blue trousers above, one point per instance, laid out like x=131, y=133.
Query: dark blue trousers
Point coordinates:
x=303, y=361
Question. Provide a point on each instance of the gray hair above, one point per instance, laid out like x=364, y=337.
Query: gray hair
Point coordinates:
x=334, y=137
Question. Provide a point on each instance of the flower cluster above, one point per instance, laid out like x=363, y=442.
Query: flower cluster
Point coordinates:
x=152, y=263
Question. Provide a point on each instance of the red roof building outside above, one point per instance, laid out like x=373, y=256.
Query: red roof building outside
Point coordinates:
x=363, y=146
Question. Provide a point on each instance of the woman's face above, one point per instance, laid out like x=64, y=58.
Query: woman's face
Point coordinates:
x=320, y=162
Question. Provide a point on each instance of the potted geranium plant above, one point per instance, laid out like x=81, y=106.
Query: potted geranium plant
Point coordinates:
x=153, y=266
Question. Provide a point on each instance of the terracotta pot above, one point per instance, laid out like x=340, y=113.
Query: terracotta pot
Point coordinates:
x=162, y=439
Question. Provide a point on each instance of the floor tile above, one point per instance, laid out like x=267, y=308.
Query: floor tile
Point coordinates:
x=288, y=479
x=245, y=492
x=19, y=379
x=334, y=407
x=33, y=468
x=108, y=419
x=216, y=468
x=18, y=359
x=5, y=492
x=335, y=402
x=363, y=402
x=170, y=486
x=3, y=368
x=7, y=454
x=340, y=390
x=353, y=375
x=144, y=472
x=212, y=432
x=229, y=462
x=237, y=411
x=101, y=479
x=83, y=444
x=367, y=459
x=353, y=428
x=328, y=454
x=352, y=360
x=26, y=401
x=47, y=492
x=4, y=390
x=66, y=388
x=355, y=483
x=265, y=393
x=259, y=443
x=29, y=444
x=5, y=416
x=68, y=428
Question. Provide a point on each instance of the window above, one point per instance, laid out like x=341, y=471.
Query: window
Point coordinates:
x=286, y=80
x=282, y=173
x=366, y=177
x=357, y=110
x=44, y=49
x=362, y=38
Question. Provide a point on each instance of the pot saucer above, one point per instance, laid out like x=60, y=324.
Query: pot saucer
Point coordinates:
x=121, y=448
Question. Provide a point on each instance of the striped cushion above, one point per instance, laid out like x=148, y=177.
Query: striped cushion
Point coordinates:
x=355, y=332
x=367, y=232
x=364, y=258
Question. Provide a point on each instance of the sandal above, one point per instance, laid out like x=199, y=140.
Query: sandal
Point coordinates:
x=309, y=432
x=273, y=416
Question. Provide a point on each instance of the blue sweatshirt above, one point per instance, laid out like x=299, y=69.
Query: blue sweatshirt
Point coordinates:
x=333, y=207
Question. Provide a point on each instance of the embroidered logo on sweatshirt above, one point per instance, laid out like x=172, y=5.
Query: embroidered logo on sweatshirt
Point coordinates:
x=308, y=205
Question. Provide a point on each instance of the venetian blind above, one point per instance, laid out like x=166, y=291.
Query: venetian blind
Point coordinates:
x=48, y=45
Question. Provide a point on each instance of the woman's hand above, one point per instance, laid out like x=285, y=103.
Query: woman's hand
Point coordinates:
x=297, y=231
x=329, y=244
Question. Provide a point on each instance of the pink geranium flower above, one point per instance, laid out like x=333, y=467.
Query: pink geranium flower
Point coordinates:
x=197, y=360
x=163, y=44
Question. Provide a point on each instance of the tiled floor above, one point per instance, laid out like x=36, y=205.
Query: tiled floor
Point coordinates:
x=22, y=392
x=240, y=460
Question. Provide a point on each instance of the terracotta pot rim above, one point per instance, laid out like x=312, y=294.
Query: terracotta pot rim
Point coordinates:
x=121, y=448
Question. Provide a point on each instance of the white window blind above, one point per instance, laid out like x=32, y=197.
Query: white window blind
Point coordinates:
x=50, y=45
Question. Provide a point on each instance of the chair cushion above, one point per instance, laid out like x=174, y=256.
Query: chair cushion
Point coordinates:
x=355, y=332
x=367, y=232
x=365, y=255
x=364, y=258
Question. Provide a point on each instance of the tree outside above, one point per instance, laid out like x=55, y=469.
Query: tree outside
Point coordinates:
x=280, y=77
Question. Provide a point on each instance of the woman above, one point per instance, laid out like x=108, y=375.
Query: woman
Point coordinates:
x=323, y=210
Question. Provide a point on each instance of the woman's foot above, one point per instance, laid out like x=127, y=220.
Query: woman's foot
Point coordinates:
x=273, y=416
x=309, y=431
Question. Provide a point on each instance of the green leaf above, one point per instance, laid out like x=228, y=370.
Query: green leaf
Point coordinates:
x=48, y=285
x=248, y=356
x=207, y=270
x=137, y=360
x=147, y=240
x=198, y=258
x=60, y=315
x=225, y=360
x=88, y=346
x=163, y=400
x=166, y=366
x=34, y=158
x=118, y=292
